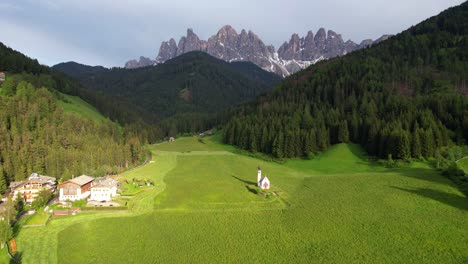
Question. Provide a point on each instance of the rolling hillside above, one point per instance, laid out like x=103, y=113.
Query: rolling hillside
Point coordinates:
x=191, y=88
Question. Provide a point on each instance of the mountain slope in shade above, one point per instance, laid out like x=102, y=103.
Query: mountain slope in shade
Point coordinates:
x=194, y=82
x=229, y=45
x=75, y=70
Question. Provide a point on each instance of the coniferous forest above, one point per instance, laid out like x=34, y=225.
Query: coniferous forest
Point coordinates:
x=403, y=98
x=36, y=135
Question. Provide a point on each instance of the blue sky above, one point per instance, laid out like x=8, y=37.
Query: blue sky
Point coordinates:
x=110, y=32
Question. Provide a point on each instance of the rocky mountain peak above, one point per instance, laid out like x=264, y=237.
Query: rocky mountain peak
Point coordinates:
x=320, y=36
x=293, y=55
x=227, y=30
x=142, y=62
x=190, y=33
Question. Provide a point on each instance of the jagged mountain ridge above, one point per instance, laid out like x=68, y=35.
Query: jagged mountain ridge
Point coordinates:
x=229, y=45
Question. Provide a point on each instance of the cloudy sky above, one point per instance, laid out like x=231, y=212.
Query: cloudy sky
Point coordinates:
x=110, y=32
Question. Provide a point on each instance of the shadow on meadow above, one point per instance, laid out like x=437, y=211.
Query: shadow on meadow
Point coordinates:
x=425, y=174
x=252, y=190
x=244, y=181
x=453, y=200
x=249, y=185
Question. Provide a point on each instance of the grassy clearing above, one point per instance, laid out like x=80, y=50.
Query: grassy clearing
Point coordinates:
x=131, y=189
x=39, y=218
x=187, y=144
x=223, y=179
x=342, y=209
x=341, y=158
x=463, y=164
x=76, y=105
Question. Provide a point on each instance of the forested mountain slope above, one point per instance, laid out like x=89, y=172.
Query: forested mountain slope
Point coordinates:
x=38, y=135
x=181, y=94
x=405, y=97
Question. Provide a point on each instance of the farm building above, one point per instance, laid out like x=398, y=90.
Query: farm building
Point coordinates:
x=206, y=133
x=76, y=189
x=262, y=181
x=30, y=188
x=104, y=189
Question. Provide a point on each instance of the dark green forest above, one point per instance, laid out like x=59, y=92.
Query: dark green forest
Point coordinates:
x=36, y=135
x=185, y=94
x=402, y=98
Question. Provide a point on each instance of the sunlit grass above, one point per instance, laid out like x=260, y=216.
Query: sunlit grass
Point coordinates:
x=338, y=208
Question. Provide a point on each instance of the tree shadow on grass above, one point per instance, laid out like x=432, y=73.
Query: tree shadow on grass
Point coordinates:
x=244, y=181
x=427, y=174
x=453, y=200
x=17, y=258
x=16, y=228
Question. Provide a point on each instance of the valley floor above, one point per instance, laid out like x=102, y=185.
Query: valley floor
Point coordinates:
x=204, y=208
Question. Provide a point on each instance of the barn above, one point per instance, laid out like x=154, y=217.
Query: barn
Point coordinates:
x=76, y=189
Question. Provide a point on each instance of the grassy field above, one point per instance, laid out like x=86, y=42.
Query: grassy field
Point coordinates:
x=76, y=105
x=337, y=208
x=4, y=256
x=463, y=164
x=39, y=218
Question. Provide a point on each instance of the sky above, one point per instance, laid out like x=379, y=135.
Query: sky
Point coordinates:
x=111, y=32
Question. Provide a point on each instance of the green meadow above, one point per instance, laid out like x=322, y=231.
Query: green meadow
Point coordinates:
x=76, y=105
x=204, y=208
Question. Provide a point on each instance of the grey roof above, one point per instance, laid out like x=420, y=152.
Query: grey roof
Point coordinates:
x=14, y=184
x=109, y=182
x=82, y=180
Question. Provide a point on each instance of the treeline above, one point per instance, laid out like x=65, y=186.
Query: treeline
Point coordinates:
x=37, y=136
x=14, y=61
x=405, y=97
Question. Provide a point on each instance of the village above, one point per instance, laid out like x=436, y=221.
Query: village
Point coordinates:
x=40, y=192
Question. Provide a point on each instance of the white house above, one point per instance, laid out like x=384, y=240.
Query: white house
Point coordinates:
x=76, y=189
x=104, y=190
x=262, y=181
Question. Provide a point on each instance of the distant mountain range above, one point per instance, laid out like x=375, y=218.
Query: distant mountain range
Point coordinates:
x=228, y=45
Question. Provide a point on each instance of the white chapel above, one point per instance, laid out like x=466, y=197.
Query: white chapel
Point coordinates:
x=262, y=181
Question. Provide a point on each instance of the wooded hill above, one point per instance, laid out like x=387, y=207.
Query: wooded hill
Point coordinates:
x=37, y=135
x=183, y=94
x=405, y=97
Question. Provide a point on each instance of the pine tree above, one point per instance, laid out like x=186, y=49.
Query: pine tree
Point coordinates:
x=3, y=183
x=278, y=145
x=416, y=145
x=343, y=132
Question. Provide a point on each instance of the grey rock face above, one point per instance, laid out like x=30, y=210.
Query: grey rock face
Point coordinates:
x=365, y=43
x=310, y=48
x=142, y=62
x=168, y=50
x=229, y=45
